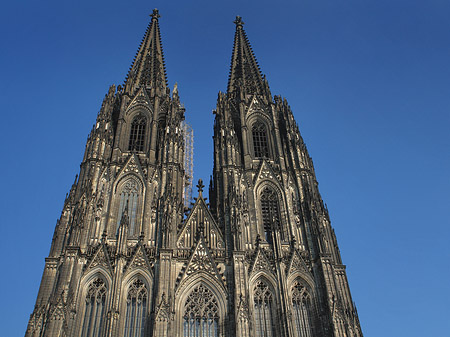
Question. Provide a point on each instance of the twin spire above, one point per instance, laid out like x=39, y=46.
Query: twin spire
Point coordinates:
x=148, y=68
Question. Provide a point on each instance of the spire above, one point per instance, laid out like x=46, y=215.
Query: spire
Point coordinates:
x=244, y=70
x=148, y=67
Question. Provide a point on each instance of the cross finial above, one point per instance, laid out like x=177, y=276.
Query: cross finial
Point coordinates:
x=200, y=187
x=155, y=15
x=238, y=22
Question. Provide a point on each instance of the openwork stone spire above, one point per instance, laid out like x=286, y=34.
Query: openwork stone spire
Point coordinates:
x=244, y=72
x=148, y=67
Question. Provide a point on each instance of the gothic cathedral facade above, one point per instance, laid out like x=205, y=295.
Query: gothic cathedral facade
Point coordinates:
x=131, y=256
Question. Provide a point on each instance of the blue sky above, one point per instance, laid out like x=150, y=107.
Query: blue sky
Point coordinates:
x=369, y=84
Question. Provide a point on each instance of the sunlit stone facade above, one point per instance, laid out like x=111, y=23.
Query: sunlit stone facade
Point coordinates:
x=128, y=258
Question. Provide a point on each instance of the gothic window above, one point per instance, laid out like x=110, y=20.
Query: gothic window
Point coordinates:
x=270, y=214
x=94, y=314
x=137, y=133
x=260, y=141
x=129, y=196
x=201, y=314
x=301, y=305
x=137, y=300
x=263, y=311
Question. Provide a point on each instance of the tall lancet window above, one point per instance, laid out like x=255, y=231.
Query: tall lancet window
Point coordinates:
x=270, y=214
x=263, y=311
x=137, y=133
x=94, y=314
x=129, y=196
x=260, y=140
x=201, y=314
x=137, y=300
x=301, y=305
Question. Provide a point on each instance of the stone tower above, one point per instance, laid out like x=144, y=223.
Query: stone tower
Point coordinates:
x=129, y=259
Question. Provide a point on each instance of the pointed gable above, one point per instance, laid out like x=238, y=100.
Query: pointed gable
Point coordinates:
x=100, y=258
x=200, y=214
x=266, y=172
x=141, y=100
x=296, y=264
x=133, y=165
x=162, y=311
x=261, y=262
x=201, y=260
x=139, y=259
x=256, y=106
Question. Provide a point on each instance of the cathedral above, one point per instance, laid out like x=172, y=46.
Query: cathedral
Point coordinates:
x=134, y=255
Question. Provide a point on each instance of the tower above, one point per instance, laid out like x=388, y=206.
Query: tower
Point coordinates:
x=129, y=258
x=287, y=275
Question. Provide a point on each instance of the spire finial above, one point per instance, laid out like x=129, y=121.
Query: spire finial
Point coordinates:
x=155, y=15
x=238, y=22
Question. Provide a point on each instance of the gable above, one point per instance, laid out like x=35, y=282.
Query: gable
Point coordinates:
x=140, y=100
x=139, y=259
x=201, y=260
x=133, y=166
x=200, y=214
x=266, y=172
x=100, y=258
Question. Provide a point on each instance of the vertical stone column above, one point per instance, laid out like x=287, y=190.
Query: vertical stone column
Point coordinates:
x=241, y=296
x=163, y=315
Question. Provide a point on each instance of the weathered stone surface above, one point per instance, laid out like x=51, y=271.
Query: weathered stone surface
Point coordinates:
x=261, y=259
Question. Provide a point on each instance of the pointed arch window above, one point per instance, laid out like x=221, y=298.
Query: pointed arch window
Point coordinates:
x=260, y=140
x=270, y=214
x=137, y=299
x=201, y=314
x=129, y=196
x=263, y=310
x=94, y=313
x=137, y=133
x=301, y=305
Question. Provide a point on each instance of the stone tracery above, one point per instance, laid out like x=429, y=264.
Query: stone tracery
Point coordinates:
x=201, y=314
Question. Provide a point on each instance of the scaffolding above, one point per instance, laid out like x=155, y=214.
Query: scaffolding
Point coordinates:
x=188, y=162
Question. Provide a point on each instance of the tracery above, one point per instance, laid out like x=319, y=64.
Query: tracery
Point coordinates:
x=201, y=314
x=263, y=310
x=301, y=305
x=95, y=309
x=260, y=140
x=270, y=214
x=136, y=314
x=137, y=133
x=129, y=197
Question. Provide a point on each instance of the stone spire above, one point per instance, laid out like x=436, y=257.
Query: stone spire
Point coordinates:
x=244, y=72
x=148, y=67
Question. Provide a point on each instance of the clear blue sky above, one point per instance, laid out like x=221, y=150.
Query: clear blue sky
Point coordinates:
x=368, y=81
